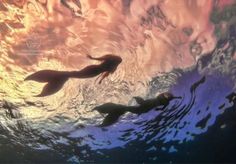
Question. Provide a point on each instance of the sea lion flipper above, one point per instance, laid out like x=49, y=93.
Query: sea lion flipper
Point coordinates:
x=52, y=87
x=54, y=79
x=110, y=119
x=45, y=76
x=139, y=100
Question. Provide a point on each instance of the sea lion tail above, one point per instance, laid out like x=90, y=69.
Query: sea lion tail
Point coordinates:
x=111, y=118
x=55, y=81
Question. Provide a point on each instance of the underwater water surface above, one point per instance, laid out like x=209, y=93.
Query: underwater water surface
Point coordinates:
x=185, y=48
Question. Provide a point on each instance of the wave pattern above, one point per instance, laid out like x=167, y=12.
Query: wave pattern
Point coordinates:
x=164, y=53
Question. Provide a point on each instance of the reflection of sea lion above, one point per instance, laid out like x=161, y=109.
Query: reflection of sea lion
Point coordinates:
x=232, y=97
x=56, y=79
x=73, y=5
x=114, y=111
x=9, y=106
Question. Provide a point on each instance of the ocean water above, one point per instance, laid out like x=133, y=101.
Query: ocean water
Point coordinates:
x=196, y=62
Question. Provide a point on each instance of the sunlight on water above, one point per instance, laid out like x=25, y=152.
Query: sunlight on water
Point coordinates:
x=164, y=46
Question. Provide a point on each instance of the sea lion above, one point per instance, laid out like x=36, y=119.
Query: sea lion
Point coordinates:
x=114, y=111
x=56, y=79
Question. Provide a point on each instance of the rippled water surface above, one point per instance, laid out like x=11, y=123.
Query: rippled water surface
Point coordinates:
x=186, y=48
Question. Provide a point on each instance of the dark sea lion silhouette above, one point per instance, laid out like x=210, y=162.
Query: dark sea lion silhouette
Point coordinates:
x=56, y=79
x=114, y=111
